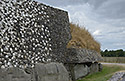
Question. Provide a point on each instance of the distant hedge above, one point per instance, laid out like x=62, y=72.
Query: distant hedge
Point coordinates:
x=113, y=53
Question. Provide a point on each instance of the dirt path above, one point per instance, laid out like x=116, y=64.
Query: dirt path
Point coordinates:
x=121, y=64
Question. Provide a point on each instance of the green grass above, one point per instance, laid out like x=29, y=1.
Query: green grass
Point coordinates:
x=104, y=75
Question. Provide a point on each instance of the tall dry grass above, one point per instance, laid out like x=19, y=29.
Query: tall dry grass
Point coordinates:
x=114, y=59
x=81, y=38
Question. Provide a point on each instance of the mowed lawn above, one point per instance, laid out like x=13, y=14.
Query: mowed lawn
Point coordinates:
x=105, y=74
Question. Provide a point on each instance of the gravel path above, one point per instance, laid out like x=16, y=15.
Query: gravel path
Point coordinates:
x=114, y=63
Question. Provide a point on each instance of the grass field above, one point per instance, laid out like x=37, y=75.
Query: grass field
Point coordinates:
x=105, y=75
x=114, y=59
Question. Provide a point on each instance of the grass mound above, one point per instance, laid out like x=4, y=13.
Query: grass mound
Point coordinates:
x=81, y=38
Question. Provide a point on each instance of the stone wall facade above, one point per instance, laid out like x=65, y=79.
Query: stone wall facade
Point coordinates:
x=31, y=32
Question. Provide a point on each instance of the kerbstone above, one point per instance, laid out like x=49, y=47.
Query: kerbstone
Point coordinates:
x=94, y=68
x=14, y=74
x=81, y=55
x=50, y=71
x=118, y=76
x=81, y=70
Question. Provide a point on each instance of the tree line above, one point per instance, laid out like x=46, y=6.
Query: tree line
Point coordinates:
x=113, y=53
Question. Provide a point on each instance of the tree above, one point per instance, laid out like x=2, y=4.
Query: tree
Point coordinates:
x=113, y=53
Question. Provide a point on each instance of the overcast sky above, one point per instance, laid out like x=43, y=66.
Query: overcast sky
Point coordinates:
x=105, y=19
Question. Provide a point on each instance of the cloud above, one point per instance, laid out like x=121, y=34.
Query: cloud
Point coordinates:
x=97, y=32
x=62, y=2
x=112, y=9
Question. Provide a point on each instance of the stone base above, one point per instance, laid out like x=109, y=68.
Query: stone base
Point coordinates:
x=41, y=72
x=81, y=71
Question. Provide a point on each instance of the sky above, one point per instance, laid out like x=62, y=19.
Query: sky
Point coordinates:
x=104, y=19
